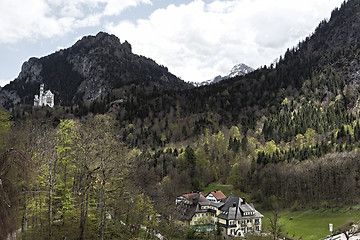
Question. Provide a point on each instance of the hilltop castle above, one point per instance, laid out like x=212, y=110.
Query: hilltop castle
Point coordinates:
x=45, y=98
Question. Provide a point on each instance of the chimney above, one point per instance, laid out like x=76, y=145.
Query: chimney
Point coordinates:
x=243, y=200
x=234, y=204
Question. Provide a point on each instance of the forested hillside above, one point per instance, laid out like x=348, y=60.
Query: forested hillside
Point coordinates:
x=289, y=131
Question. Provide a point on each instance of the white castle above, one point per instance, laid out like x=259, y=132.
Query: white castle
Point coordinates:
x=45, y=98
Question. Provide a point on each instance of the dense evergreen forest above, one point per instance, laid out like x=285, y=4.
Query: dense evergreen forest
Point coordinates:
x=289, y=131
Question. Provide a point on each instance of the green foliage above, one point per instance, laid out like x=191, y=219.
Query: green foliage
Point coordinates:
x=143, y=213
x=66, y=137
x=5, y=126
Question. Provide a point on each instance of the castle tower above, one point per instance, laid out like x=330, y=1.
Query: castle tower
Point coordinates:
x=45, y=98
x=41, y=98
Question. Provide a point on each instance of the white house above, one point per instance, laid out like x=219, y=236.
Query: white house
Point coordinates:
x=215, y=196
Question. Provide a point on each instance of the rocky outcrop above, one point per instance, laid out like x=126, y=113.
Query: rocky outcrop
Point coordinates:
x=31, y=71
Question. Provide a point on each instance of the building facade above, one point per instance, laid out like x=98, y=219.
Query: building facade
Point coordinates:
x=233, y=215
x=238, y=218
x=45, y=98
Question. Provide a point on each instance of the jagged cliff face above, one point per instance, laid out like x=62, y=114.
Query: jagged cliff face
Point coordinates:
x=92, y=67
x=93, y=58
x=31, y=71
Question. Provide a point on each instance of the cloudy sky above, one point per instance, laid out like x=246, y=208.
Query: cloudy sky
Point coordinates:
x=196, y=39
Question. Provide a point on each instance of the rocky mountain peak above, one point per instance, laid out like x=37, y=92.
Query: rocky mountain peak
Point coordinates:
x=91, y=68
x=102, y=40
x=126, y=46
x=240, y=70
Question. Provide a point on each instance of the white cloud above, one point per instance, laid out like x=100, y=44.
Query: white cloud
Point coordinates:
x=33, y=19
x=198, y=41
x=115, y=7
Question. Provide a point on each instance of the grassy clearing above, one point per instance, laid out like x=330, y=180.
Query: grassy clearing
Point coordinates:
x=313, y=224
x=226, y=189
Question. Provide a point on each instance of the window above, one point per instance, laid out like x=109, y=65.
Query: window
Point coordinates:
x=257, y=228
x=232, y=231
x=249, y=229
x=231, y=223
x=248, y=221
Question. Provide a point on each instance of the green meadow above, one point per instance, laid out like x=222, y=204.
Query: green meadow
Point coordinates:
x=226, y=189
x=313, y=224
x=307, y=223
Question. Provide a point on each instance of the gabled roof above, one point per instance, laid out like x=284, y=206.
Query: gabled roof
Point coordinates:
x=219, y=195
x=235, y=207
x=247, y=207
x=188, y=205
x=216, y=204
x=48, y=92
x=189, y=195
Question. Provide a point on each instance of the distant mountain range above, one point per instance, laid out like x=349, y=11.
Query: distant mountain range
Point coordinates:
x=238, y=70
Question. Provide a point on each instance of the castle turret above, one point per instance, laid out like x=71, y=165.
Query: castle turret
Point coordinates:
x=41, y=102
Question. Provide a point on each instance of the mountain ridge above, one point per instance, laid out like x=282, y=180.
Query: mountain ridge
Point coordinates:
x=91, y=68
x=321, y=72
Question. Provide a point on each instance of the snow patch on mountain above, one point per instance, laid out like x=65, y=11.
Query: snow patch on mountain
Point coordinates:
x=238, y=70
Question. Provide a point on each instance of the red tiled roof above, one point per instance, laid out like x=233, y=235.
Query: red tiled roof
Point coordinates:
x=188, y=195
x=218, y=195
